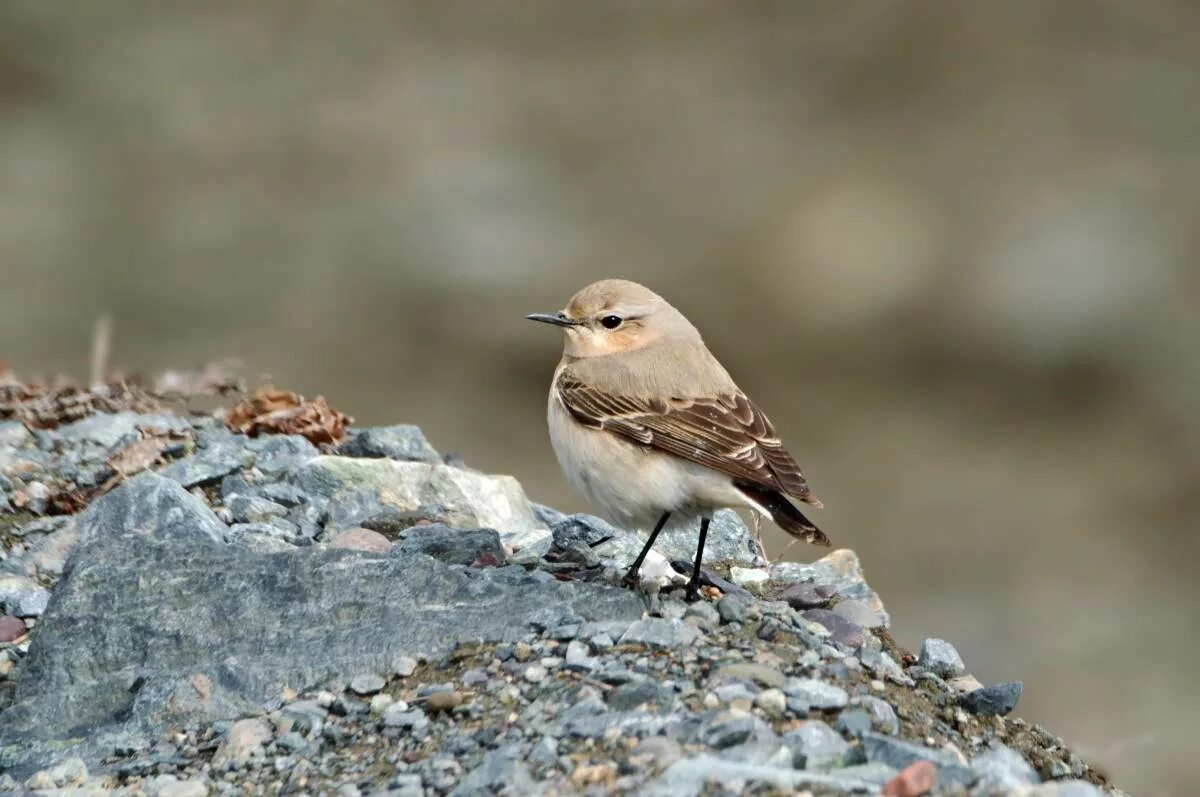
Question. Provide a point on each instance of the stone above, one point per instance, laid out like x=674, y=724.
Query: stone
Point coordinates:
x=691, y=777
x=13, y=434
x=170, y=786
x=940, y=658
x=1001, y=768
x=661, y=750
x=106, y=430
x=171, y=609
x=656, y=632
x=853, y=723
x=21, y=596
x=733, y=608
x=11, y=628
x=839, y=571
x=860, y=613
x=252, y=509
x=726, y=730
x=244, y=740
x=728, y=542
x=367, y=684
x=400, y=715
x=758, y=673
x=997, y=700
x=915, y=780
x=152, y=507
x=401, y=442
x=535, y=673
x=748, y=576
x=360, y=539
x=899, y=754
x=70, y=772
x=278, y=453
x=883, y=716
x=358, y=489
x=452, y=546
x=703, y=615
x=497, y=774
x=818, y=694
x=807, y=595
x=404, y=666
x=772, y=702
x=815, y=746
x=638, y=694
x=222, y=456
x=842, y=631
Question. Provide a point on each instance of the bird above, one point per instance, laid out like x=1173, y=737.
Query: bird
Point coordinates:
x=646, y=423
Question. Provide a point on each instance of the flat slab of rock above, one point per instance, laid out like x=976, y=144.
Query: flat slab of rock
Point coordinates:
x=146, y=630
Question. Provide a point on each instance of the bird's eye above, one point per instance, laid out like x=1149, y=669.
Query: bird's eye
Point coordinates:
x=610, y=321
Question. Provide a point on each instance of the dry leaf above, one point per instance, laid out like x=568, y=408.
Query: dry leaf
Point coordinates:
x=138, y=455
x=274, y=411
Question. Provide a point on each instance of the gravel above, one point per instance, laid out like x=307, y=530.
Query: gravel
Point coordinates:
x=260, y=616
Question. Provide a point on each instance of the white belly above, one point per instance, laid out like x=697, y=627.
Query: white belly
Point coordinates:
x=631, y=484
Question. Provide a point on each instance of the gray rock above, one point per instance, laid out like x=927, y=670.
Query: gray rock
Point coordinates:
x=996, y=700
x=143, y=631
x=729, y=542
x=13, y=434
x=860, y=613
x=897, y=754
x=691, y=777
x=252, y=509
x=770, y=752
x=733, y=608
x=840, y=571
x=359, y=489
x=498, y=774
x=883, y=716
x=285, y=494
x=1062, y=788
x=222, y=456
x=401, y=442
x=940, y=658
x=22, y=597
x=641, y=693
x=367, y=684
x=842, y=631
x=749, y=671
x=726, y=730
x=853, y=723
x=70, y=772
x=817, y=694
x=815, y=746
x=150, y=506
x=453, y=546
x=103, y=429
x=1002, y=768
x=656, y=632
x=807, y=595
x=703, y=615
x=279, y=453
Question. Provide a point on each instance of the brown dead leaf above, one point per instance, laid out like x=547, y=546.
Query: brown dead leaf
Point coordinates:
x=274, y=411
x=138, y=455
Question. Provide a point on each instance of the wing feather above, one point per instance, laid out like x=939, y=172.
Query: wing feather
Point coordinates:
x=727, y=433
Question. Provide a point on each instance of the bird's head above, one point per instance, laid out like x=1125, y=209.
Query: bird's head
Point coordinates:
x=614, y=316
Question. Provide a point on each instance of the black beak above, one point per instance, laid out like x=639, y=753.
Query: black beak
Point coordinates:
x=559, y=319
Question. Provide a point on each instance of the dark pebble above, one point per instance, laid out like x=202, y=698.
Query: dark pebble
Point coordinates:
x=807, y=595
x=995, y=700
x=842, y=630
x=11, y=628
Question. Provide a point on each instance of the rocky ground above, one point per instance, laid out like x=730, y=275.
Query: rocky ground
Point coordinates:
x=185, y=610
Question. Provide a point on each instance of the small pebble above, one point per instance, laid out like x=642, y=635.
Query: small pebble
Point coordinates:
x=535, y=673
x=367, y=684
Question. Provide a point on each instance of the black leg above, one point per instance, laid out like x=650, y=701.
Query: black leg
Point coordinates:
x=693, y=587
x=631, y=578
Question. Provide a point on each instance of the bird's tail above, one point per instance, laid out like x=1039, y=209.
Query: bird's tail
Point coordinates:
x=784, y=513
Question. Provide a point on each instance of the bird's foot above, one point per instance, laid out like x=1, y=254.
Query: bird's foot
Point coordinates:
x=631, y=580
x=692, y=595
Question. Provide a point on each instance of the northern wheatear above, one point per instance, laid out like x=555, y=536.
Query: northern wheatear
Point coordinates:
x=646, y=423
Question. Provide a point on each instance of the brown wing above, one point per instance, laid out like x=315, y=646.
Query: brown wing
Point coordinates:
x=726, y=433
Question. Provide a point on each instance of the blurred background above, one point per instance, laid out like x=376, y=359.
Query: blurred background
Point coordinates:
x=951, y=248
